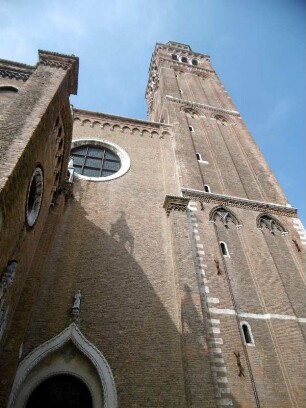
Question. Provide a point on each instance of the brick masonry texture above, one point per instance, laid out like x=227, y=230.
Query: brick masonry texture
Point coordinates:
x=160, y=301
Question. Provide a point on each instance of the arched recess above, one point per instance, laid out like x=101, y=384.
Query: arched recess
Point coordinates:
x=26, y=380
x=223, y=215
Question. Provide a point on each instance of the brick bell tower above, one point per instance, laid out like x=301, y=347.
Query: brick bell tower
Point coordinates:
x=238, y=246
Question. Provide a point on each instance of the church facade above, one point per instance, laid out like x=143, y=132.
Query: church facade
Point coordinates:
x=144, y=263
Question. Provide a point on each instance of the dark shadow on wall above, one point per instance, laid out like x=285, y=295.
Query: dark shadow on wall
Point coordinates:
x=121, y=314
x=120, y=232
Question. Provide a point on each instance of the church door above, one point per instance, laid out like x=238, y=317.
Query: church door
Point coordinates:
x=60, y=391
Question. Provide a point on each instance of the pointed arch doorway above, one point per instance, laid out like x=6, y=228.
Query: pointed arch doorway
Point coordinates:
x=60, y=391
x=67, y=364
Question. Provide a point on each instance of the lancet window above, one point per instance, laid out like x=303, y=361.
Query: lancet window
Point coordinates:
x=224, y=215
x=265, y=221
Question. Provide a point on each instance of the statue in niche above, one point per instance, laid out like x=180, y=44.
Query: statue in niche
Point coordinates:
x=10, y=271
x=7, y=278
x=75, y=310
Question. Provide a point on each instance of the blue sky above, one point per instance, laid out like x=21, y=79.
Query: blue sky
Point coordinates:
x=258, y=48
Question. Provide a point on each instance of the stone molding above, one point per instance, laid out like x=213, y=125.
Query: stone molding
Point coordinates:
x=201, y=106
x=130, y=125
x=224, y=200
x=68, y=63
x=175, y=203
x=71, y=333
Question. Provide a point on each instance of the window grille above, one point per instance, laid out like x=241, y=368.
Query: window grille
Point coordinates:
x=93, y=161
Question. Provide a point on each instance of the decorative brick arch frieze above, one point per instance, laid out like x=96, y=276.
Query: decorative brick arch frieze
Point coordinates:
x=71, y=334
x=15, y=70
x=152, y=130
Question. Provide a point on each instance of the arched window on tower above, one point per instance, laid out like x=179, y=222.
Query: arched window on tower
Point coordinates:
x=225, y=216
x=191, y=128
x=184, y=59
x=270, y=223
x=221, y=120
x=206, y=188
x=224, y=249
x=174, y=57
x=190, y=112
x=247, y=334
x=194, y=62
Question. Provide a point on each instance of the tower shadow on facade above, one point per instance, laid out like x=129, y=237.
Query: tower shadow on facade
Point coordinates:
x=121, y=313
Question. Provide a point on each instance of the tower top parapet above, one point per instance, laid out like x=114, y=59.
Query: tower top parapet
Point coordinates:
x=179, y=45
x=175, y=56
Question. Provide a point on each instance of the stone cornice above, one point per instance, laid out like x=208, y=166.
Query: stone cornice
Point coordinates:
x=11, y=69
x=201, y=106
x=231, y=201
x=61, y=61
x=175, y=203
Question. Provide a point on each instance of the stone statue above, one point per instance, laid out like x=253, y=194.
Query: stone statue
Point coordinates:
x=77, y=303
x=10, y=272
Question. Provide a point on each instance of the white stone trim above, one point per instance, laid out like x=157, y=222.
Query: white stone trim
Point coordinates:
x=299, y=227
x=266, y=316
x=237, y=201
x=214, y=332
x=213, y=300
x=71, y=333
x=122, y=154
x=33, y=212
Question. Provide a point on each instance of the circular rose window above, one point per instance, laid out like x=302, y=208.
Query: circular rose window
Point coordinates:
x=98, y=160
x=34, y=196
